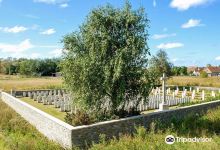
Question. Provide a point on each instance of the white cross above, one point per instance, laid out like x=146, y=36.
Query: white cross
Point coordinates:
x=163, y=79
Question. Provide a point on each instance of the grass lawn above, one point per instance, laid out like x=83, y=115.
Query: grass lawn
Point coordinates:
x=194, y=81
x=21, y=83
x=17, y=134
x=50, y=109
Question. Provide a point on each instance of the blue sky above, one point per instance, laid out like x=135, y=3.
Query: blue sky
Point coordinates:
x=187, y=29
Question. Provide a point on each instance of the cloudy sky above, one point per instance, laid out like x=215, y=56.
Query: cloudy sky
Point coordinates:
x=189, y=30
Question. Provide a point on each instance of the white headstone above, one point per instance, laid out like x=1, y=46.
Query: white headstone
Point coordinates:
x=203, y=95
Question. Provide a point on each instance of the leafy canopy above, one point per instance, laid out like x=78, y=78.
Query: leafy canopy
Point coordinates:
x=104, y=61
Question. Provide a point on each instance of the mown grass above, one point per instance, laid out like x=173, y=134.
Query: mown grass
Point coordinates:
x=193, y=125
x=194, y=81
x=17, y=134
x=23, y=83
x=50, y=109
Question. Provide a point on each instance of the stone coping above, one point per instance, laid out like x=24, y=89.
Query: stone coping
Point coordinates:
x=66, y=125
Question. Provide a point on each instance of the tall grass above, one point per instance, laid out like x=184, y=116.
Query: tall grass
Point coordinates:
x=17, y=134
x=194, y=81
x=19, y=83
x=193, y=125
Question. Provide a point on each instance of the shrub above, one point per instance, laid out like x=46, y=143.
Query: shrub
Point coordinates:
x=203, y=74
x=79, y=118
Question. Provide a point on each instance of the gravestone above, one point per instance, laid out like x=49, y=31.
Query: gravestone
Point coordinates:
x=193, y=94
x=39, y=99
x=24, y=94
x=44, y=100
x=203, y=95
x=213, y=94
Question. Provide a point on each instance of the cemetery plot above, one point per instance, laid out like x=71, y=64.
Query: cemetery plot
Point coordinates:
x=57, y=102
x=195, y=94
x=54, y=102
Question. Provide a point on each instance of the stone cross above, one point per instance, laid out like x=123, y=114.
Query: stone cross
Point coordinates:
x=163, y=106
x=163, y=79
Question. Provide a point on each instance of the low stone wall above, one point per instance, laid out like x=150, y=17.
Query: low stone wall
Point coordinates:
x=69, y=136
x=48, y=125
x=86, y=134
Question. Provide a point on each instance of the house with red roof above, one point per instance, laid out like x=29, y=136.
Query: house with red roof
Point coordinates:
x=212, y=71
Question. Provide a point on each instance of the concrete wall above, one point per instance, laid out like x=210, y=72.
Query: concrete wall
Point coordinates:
x=48, y=125
x=115, y=127
x=68, y=135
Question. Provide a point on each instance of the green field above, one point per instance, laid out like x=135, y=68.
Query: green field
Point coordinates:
x=17, y=134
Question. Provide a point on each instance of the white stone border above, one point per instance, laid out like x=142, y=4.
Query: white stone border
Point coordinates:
x=48, y=125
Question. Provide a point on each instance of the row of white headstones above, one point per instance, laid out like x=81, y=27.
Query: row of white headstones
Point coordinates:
x=58, y=98
x=61, y=99
x=193, y=92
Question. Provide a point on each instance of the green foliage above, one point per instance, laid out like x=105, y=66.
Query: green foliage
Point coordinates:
x=160, y=64
x=193, y=125
x=29, y=67
x=203, y=74
x=179, y=71
x=79, y=118
x=104, y=62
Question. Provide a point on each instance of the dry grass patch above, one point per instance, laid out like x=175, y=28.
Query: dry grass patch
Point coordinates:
x=194, y=81
x=19, y=83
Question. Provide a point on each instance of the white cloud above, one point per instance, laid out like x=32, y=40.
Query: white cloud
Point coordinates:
x=48, y=32
x=192, y=23
x=64, y=5
x=51, y=1
x=217, y=58
x=154, y=3
x=186, y=4
x=161, y=36
x=56, y=53
x=170, y=45
x=15, y=29
x=16, y=48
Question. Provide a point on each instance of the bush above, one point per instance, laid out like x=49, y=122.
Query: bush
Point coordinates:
x=203, y=74
x=79, y=118
x=83, y=118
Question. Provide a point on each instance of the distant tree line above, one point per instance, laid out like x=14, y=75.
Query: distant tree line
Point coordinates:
x=29, y=67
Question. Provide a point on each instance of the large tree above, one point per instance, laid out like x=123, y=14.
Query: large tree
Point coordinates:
x=104, y=61
x=160, y=64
